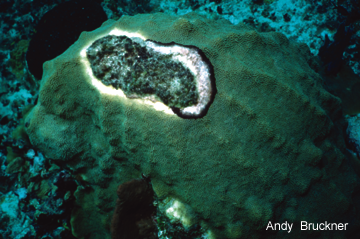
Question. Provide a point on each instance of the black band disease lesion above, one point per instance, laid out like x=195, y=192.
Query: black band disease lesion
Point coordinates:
x=128, y=64
x=137, y=70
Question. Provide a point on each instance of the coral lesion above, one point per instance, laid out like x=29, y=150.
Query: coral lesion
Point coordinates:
x=128, y=64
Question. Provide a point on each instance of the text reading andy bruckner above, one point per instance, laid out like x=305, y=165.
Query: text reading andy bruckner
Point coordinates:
x=307, y=226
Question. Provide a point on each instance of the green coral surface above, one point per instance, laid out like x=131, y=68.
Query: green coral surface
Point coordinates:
x=269, y=148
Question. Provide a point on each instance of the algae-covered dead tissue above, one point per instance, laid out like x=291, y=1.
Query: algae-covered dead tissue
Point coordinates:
x=241, y=133
x=174, y=75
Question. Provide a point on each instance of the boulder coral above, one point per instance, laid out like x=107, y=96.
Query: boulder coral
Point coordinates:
x=269, y=148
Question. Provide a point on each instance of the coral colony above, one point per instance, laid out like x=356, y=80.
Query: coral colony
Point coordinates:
x=179, y=119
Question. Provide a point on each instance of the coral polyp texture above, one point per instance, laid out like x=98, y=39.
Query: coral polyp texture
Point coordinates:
x=269, y=147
